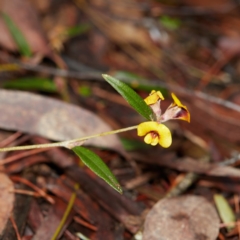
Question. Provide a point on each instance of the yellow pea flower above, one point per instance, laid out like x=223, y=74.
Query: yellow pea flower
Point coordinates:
x=155, y=133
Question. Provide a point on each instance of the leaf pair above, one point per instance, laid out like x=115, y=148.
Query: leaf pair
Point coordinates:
x=94, y=162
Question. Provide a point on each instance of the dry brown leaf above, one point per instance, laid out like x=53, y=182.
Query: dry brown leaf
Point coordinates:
x=186, y=164
x=6, y=200
x=26, y=18
x=53, y=119
x=121, y=32
x=182, y=218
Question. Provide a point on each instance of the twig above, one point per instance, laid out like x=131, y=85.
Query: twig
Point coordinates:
x=21, y=155
x=34, y=187
x=25, y=192
x=183, y=185
x=15, y=228
x=84, y=223
x=10, y=139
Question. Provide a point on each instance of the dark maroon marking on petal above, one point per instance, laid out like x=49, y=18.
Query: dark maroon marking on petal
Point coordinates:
x=181, y=113
x=154, y=134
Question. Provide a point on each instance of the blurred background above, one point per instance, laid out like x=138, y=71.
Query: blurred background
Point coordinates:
x=60, y=48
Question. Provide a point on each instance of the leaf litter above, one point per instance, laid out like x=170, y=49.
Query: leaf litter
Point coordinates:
x=6, y=200
x=191, y=47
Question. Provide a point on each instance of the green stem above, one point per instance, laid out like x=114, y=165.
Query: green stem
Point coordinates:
x=102, y=134
x=67, y=144
x=66, y=213
x=28, y=147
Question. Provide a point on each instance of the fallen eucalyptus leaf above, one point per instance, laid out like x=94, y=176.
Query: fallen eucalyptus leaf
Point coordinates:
x=52, y=119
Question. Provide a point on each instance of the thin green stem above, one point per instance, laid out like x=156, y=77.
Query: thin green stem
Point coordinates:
x=66, y=213
x=67, y=144
x=102, y=134
x=28, y=147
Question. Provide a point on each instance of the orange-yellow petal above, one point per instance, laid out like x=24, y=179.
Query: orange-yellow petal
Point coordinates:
x=153, y=97
x=155, y=141
x=158, y=93
x=165, y=139
x=183, y=114
x=146, y=127
x=148, y=138
x=177, y=102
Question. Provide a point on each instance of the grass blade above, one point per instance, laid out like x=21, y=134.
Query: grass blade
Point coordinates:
x=17, y=35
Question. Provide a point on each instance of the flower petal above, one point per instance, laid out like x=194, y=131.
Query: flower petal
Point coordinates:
x=165, y=139
x=153, y=97
x=177, y=102
x=148, y=138
x=176, y=111
x=146, y=127
x=184, y=115
x=155, y=141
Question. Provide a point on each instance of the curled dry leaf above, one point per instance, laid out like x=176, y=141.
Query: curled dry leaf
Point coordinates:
x=6, y=200
x=181, y=218
x=52, y=119
x=26, y=18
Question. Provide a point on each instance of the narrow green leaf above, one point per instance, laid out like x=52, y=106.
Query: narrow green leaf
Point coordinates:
x=225, y=211
x=33, y=83
x=17, y=35
x=77, y=30
x=131, y=97
x=96, y=164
